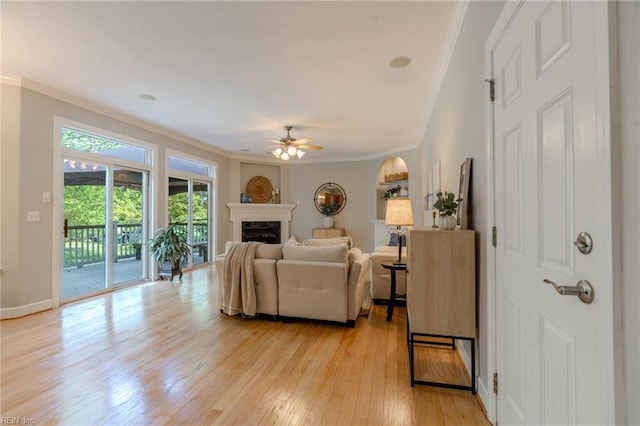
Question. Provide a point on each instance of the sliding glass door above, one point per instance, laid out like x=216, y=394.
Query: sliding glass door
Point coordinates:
x=85, y=234
x=128, y=215
x=179, y=206
x=200, y=219
x=189, y=210
x=105, y=216
x=101, y=253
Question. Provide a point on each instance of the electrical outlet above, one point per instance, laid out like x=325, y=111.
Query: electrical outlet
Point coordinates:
x=46, y=197
x=33, y=216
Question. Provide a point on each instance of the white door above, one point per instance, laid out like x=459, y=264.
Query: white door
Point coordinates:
x=552, y=181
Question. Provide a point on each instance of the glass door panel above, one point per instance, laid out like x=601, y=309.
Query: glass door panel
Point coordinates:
x=189, y=202
x=85, y=237
x=128, y=211
x=200, y=219
x=179, y=205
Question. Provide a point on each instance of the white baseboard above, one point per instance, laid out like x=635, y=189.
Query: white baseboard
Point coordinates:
x=485, y=395
x=21, y=311
x=487, y=399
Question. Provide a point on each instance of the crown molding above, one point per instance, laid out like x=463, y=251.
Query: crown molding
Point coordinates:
x=11, y=80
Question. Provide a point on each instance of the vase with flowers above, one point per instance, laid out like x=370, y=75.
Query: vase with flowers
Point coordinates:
x=447, y=205
x=328, y=210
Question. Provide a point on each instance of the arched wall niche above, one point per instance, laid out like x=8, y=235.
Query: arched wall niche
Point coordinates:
x=392, y=173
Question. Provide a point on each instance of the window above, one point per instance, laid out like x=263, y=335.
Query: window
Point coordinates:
x=190, y=186
x=87, y=142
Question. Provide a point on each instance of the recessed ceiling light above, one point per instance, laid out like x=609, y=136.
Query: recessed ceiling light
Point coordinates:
x=400, y=62
x=146, y=97
x=244, y=150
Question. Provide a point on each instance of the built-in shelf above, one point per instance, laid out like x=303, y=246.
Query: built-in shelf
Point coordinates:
x=394, y=182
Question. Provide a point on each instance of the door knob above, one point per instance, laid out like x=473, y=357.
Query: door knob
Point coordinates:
x=582, y=289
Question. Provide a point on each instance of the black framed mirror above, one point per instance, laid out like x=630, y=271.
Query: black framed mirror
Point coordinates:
x=330, y=199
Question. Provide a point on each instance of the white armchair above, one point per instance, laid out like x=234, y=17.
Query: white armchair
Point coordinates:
x=381, y=278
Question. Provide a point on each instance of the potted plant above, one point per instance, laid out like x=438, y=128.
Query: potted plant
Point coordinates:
x=447, y=205
x=391, y=191
x=169, y=248
x=328, y=210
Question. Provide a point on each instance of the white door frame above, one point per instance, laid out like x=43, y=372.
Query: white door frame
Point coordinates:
x=605, y=44
x=58, y=193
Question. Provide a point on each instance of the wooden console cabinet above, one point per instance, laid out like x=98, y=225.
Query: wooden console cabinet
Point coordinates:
x=441, y=291
x=327, y=232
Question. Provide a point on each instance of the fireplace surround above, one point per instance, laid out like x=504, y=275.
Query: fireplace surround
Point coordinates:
x=256, y=212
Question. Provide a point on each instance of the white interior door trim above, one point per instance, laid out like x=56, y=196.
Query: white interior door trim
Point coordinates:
x=485, y=385
x=613, y=350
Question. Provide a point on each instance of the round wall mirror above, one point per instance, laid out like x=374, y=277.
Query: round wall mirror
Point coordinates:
x=330, y=199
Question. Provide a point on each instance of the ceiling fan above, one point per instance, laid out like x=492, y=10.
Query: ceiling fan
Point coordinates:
x=289, y=147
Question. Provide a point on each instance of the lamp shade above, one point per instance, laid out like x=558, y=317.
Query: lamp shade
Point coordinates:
x=399, y=212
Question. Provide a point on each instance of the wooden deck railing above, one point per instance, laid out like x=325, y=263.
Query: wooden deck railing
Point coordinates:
x=85, y=244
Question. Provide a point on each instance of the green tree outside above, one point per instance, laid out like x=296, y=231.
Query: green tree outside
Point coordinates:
x=85, y=142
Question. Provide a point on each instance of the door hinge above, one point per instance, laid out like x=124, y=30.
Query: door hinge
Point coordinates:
x=494, y=236
x=492, y=89
x=495, y=383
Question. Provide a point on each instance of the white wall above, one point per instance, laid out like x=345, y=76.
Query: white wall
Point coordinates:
x=629, y=80
x=456, y=130
x=353, y=176
x=9, y=169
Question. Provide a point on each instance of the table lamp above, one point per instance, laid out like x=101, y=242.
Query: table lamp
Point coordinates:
x=399, y=213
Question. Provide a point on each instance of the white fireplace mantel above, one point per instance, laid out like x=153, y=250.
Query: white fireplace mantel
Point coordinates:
x=257, y=212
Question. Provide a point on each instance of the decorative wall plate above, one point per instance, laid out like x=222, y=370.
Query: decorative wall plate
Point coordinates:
x=260, y=189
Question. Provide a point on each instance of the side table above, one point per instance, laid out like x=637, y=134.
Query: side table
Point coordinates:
x=327, y=232
x=393, y=267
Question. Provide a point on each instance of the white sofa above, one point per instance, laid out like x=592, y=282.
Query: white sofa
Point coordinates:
x=320, y=279
x=381, y=277
x=265, y=277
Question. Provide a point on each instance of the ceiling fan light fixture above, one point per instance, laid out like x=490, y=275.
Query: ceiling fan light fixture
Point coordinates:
x=289, y=147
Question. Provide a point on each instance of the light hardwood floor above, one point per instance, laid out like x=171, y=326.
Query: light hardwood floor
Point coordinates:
x=162, y=353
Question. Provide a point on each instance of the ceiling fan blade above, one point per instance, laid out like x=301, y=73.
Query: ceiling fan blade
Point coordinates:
x=302, y=140
x=310, y=147
x=274, y=141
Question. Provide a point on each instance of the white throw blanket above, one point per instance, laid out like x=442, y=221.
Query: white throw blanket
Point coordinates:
x=238, y=286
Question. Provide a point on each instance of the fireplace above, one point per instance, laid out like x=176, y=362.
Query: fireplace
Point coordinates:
x=264, y=232
x=257, y=212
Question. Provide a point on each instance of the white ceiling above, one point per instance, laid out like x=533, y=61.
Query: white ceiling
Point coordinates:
x=232, y=74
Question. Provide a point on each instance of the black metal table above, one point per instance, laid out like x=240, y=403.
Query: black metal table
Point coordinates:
x=393, y=295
